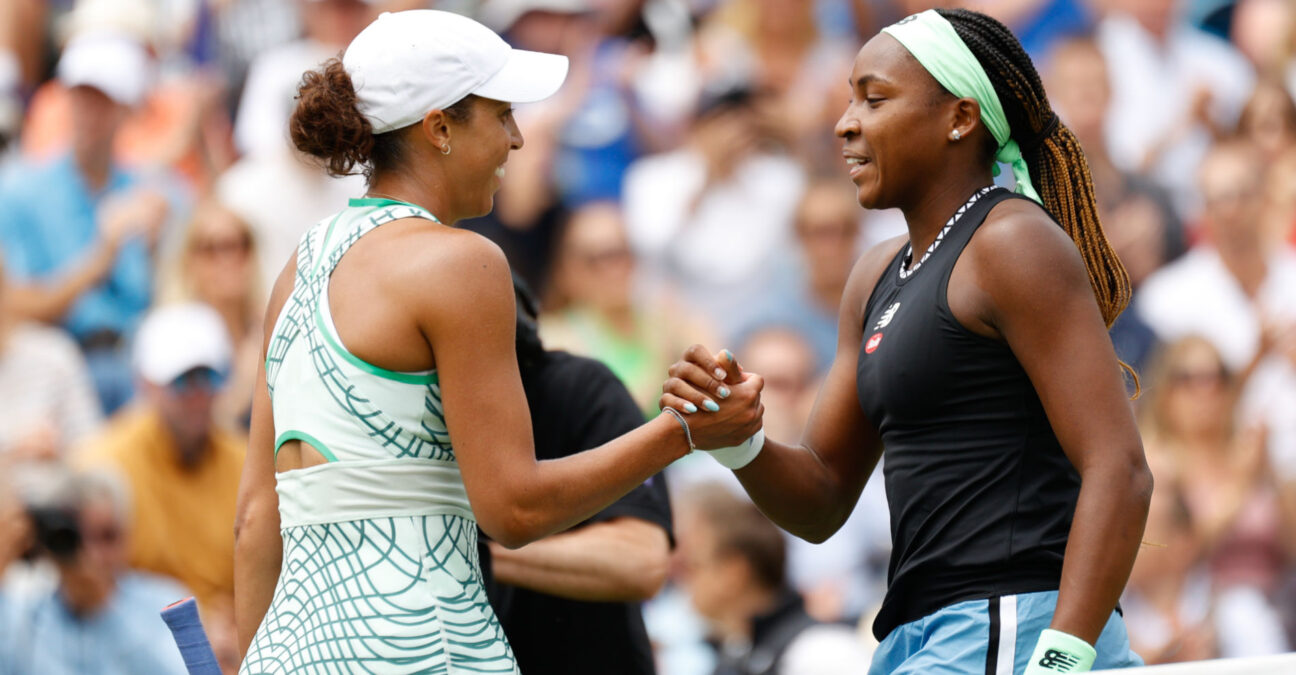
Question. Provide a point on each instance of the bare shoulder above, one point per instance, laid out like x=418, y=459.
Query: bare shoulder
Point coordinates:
x=418, y=254
x=1020, y=245
x=446, y=269
x=1022, y=263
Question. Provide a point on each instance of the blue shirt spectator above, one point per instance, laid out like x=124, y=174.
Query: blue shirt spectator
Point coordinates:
x=126, y=636
x=49, y=220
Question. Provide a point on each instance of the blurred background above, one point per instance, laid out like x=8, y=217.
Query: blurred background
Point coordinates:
x=684, y=186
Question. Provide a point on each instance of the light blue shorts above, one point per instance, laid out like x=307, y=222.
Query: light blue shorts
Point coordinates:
x=987, y=637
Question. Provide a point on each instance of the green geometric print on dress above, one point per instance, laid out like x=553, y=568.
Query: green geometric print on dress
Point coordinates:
x=317, y=255
x=388, y=595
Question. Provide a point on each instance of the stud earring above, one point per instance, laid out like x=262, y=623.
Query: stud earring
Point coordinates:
x=445, y=149
x=956, y=134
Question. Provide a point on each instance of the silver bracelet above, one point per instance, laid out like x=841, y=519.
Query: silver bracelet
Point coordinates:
x=688, y=436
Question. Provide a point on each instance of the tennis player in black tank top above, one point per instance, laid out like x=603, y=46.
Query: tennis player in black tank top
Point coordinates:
x=975, y=351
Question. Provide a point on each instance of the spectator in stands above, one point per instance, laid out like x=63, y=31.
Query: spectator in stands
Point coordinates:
x=99, y=618
x=569, y=603
x=725, y=191
x=580, y=141
x=273, y=188
x=1175, y=88
x=783, y=356
x=182, y=122
x=779, y=48
x=594, y=312
x=1167, y=601
x=1262, y=31
x=1268, y=120
x=1228, y=490
x=270, y=91
x=182, y=471
x=1137, y=214
x=734, y=561
x=804, y=290
x=45, y=390
x=1280, y=200
x=77, y=232
x=1235, y=290
x=217, y=265
x=844, y=577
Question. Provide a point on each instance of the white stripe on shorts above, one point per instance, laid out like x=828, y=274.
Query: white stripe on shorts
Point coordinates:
x=1007, y=635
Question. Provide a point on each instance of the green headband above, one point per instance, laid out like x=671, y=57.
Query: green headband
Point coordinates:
x=932, y=40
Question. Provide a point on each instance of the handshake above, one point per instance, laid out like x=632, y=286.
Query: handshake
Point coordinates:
x=717, y=404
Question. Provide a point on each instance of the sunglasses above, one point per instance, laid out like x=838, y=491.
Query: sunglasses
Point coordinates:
x=201, y=378
x=1201, y=378
x=229, y=246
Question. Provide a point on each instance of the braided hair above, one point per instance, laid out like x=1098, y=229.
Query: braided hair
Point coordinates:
x=1053, y=155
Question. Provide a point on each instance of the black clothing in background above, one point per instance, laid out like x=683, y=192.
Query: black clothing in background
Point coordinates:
x=578, y=404
x=772, y=634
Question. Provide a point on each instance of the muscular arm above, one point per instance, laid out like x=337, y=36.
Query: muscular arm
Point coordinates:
x=469, y=321
x=258, y=547
x=810, y=488
x=1036, y=295
x=620, y=560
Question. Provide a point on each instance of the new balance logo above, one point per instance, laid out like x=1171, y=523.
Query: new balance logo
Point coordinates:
x=887, y=316
x=1057, y=661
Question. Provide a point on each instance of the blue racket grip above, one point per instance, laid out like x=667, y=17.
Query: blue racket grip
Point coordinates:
x=186, y=628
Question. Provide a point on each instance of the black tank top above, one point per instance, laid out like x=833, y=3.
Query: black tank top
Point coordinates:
x=980, y=494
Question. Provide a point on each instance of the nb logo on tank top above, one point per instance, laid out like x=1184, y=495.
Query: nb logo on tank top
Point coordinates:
x=887, y=316
x=1061, y=662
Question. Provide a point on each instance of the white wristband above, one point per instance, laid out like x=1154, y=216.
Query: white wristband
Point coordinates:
x=738, y=456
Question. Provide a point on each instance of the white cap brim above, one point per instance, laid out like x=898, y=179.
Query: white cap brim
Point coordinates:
x=525, y=78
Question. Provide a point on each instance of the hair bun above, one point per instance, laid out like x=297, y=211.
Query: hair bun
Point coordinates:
x=327, y=124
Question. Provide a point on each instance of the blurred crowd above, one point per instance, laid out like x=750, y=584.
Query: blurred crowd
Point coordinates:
x=684, y=186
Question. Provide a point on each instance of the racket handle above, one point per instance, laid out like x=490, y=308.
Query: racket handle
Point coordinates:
x=186, y=628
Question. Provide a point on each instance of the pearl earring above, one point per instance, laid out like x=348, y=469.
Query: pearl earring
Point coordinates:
x=956, y=135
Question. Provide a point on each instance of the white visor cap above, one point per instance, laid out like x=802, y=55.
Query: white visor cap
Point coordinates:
x=405, y=64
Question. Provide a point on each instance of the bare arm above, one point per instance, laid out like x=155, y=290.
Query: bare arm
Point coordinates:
x=258, y=546
x=124, y=217
x=810, y=488
x=48, y=301
x=1038, y=298
x=620, y=560
x=516, y=498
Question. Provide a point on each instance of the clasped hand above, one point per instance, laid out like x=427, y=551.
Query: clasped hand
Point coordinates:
x=719, y=400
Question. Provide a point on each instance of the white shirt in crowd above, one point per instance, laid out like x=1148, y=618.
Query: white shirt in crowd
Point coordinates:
x=269, y=95
x=715, y=253
x=44, y=388
x=1153, y=87
x=1197, y=295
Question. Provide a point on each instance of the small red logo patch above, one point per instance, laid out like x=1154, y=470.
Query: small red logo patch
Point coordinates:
x=872, y=344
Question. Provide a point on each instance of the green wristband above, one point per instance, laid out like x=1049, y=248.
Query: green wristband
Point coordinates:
x=1058, y=652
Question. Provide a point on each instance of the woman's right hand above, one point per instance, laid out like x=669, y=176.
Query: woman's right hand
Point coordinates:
x=720, y=402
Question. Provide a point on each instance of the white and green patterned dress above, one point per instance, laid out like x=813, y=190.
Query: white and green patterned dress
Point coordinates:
x=380, y=570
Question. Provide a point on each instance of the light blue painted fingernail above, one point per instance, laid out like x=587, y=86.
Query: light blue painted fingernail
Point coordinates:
x=723, y=392
x=689, y=407
x=729, y=355
x=710, y=405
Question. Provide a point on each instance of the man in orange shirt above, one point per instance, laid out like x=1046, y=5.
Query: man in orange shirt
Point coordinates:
x=183, y=473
